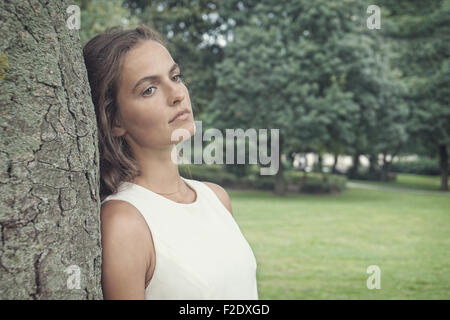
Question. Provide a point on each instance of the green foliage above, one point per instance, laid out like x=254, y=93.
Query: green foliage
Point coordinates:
x=316, y=183
x=333, y=185
x=211, y=173
x=420, y=33
x=313, y=70
x=423, y=165
x=98, y=15
x=409, y=181
x=372, y=175
x=257, y=182
x=312, y=183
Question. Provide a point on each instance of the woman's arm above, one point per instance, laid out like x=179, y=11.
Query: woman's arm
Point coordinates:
x=125, y=251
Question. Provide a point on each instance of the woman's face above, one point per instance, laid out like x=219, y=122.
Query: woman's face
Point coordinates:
x=150, y=94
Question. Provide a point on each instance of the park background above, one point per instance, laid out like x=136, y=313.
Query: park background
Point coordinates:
x=364, y=119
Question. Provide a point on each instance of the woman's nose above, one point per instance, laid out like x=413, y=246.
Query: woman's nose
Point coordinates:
x=176, y=94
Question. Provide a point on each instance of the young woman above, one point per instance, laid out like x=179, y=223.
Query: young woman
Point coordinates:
x=163, y=236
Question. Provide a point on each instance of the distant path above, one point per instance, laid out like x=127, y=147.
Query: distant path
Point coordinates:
x=374, y=187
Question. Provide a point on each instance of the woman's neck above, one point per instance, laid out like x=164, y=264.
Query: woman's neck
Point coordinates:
x=158, y=172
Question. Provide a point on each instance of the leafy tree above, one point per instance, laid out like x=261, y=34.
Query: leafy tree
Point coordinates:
x=421, y=31
x=98, y=15
x=310, y=69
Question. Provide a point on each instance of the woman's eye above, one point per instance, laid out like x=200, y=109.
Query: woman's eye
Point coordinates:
x=143, y=93
x=178, y=77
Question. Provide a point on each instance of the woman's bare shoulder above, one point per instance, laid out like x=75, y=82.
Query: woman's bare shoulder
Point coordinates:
x=121, y=221
x=126, y=245
x=120, y=211
x=221, y=193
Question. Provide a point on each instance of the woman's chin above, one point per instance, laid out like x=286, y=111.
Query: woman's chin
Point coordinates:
x=183, y=132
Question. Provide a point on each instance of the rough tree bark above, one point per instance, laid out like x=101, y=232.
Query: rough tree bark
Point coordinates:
x=49, y=197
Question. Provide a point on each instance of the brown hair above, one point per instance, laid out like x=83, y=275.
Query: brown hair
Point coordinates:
x=103, y=56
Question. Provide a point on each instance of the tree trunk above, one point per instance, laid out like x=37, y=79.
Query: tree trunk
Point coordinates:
x=280, y=183
x=443, y=164
x=386, y=168
x=356, y=162
x=353, y=171
x=335, y=162
x=49, y=197
x=373, y=163
x=320, y=162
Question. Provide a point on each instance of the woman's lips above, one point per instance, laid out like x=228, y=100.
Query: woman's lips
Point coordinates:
x=182, y=116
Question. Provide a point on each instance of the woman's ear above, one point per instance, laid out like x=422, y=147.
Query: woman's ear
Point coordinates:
x=118, y=130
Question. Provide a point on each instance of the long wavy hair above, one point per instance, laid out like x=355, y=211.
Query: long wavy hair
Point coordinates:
x=103, y=56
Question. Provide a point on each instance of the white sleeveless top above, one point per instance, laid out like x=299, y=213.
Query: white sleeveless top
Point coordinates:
x=200, y=250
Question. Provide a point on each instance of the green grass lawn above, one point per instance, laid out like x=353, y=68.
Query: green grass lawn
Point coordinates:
x=410, y=181
x=319, y=247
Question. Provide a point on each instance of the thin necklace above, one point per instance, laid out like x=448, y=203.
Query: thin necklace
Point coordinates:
x=172, y=192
